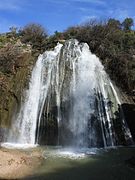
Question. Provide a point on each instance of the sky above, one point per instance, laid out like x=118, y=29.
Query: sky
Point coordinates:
x=60, y=14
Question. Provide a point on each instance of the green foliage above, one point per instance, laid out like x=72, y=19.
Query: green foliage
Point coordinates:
x=13, y=30
x=34, y=34
x=52, y=41
x=127, y=24
x=114, y=23
x=58, y=35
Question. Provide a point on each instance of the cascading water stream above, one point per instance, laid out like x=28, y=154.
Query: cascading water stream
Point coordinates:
x=70, y=101
x=23, y=130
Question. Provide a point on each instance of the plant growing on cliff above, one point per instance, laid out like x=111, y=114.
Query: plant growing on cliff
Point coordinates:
x=127, y=24
x=34, y=34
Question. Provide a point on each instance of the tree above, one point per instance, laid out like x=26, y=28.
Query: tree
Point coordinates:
x=58, y=35
x=114, y=23
x=71, y=32
x=35, y=34
x=127, y=24
x=13, y=30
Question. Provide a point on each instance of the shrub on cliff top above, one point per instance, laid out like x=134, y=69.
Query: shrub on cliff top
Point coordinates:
x=35, y=34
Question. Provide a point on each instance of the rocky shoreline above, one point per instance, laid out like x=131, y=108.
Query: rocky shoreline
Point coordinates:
x=16, y=164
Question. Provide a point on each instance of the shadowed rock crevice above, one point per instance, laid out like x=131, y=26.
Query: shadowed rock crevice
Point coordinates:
x=129, y=112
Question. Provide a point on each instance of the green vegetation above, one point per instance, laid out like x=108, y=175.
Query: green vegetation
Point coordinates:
x=31, y=38
x=35, y=35
x=127, y=23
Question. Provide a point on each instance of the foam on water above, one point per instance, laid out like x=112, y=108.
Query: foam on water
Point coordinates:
x=18, y=146
x=70, y=153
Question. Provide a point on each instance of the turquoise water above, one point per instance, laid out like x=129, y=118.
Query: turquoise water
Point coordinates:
x=86, y=164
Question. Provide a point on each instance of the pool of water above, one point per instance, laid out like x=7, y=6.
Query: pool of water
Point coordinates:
x=86, y=164
x=58, y=163
x=70, y=153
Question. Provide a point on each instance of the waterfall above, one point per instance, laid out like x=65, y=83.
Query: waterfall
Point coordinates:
x=23, y=130
x=71, y=102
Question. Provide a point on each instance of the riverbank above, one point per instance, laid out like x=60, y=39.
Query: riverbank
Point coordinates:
x=16, y=164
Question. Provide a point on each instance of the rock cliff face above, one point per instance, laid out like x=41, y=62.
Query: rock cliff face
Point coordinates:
x=128, y=106
x=16, y=62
